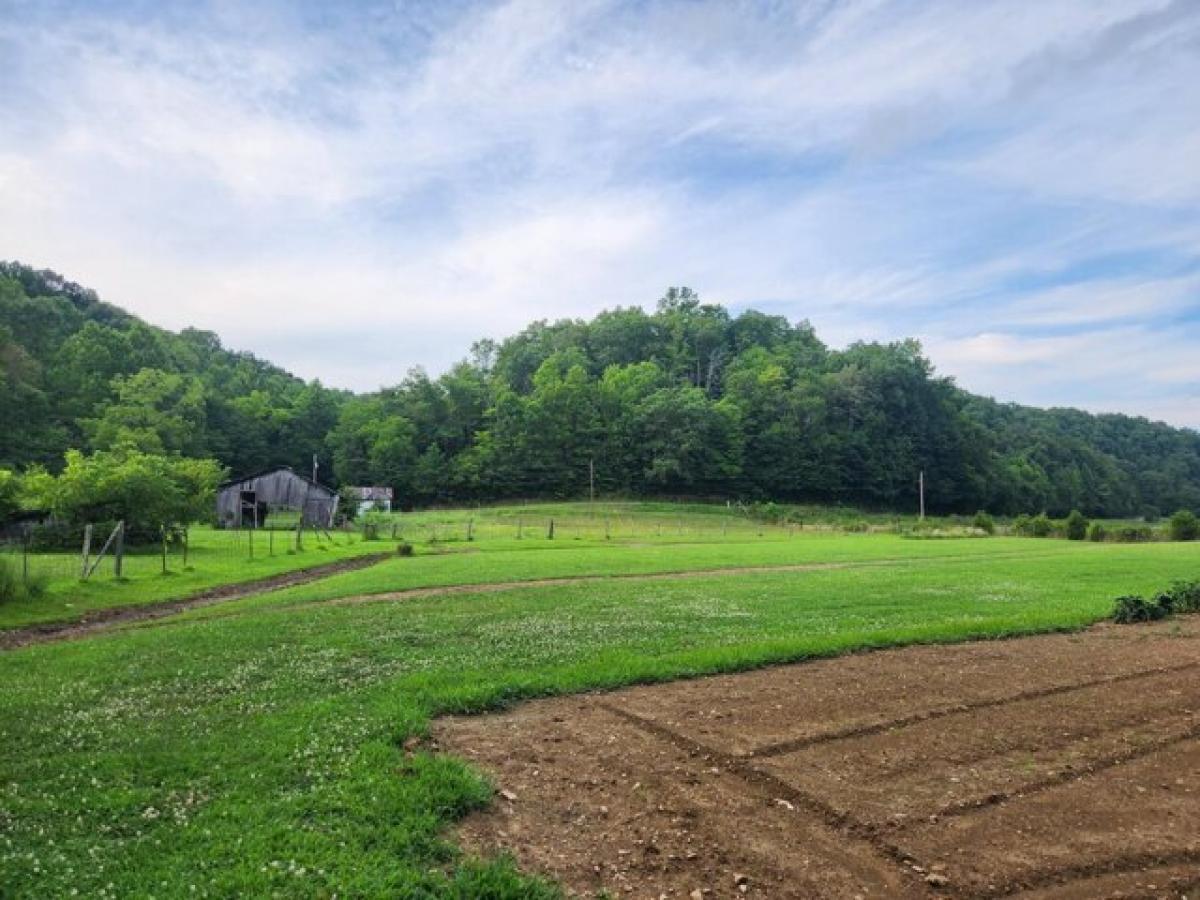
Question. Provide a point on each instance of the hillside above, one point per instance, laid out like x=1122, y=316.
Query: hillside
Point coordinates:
x=687, y=400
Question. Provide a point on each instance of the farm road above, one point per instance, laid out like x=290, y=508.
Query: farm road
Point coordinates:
x=101, y=620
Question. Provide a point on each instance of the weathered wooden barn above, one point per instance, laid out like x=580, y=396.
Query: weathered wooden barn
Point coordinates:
x=247, y=502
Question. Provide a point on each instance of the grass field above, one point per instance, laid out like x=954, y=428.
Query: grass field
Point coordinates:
x=258, y=748
x=215, y=557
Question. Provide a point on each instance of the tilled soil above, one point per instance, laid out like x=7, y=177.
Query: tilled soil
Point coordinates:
x=104, y=619
x=1064, y=766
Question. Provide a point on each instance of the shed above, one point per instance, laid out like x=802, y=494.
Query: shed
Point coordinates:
x=367, y=499
x=247, y=502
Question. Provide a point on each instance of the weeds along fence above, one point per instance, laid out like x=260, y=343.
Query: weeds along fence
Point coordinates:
x=104, y=555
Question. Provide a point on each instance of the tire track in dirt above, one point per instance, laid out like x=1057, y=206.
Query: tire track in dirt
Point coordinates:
x=103, y=620
x=785, y=747
x=491, y=587
x=1066, y=875
x=968, y=807
x=775, y=788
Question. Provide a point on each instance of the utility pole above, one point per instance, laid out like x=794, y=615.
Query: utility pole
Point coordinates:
x=921, y=483
x=314, y=467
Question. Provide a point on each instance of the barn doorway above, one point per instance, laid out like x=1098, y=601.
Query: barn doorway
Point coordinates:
x=253, y=511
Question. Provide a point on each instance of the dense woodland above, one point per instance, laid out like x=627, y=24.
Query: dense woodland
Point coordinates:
x=685, y=401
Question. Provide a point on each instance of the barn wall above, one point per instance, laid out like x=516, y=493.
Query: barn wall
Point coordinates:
x=280, y=490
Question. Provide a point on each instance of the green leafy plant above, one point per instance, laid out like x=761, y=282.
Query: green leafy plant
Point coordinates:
x=1076, y=526
x=1184, y=526
x=1097, y=532
x=984, y=522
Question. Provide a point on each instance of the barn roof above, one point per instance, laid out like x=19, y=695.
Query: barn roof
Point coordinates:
x=259, y=474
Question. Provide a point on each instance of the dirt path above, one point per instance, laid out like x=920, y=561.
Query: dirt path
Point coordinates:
x=1064, y=766
x=104, y=619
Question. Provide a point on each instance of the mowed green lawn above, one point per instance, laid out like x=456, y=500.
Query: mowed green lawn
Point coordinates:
x=261, y=753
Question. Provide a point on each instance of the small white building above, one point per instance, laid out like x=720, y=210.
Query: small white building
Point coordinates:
x=370, y=499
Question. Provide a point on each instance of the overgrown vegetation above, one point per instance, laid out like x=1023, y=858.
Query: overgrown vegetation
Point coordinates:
x=1180, y=597
x=687, y=400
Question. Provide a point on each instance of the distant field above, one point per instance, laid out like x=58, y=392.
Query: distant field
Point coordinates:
x=262, y=748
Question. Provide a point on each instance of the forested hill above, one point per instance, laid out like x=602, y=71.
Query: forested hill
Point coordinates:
x=687, y=400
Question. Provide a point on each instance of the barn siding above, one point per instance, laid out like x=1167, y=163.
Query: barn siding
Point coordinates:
x=280, y=489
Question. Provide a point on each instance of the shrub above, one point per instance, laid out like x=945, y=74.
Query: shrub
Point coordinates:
x=404, y=548
x=1076, y=526
x=1184, y=526
x=1134, y=608
x=1041, y=526
x=1097, y=532
x=1022, y=525
x=984, y=522
x=1184, y=596
x=858, y=527
x=1133, y=534
x=1180, y=597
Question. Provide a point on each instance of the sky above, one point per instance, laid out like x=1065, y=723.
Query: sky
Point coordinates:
x=353, y=189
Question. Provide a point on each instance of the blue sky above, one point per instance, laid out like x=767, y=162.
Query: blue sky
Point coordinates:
x=353, y=189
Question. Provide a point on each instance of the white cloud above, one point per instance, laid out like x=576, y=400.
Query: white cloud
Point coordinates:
x=415, y=178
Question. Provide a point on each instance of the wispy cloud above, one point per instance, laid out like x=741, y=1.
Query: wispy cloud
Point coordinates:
x=1015, y=183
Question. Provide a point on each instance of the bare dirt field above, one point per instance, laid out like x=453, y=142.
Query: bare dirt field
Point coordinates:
x=1063, y=766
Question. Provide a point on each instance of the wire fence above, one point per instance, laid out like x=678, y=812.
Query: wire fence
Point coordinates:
x=193, y=549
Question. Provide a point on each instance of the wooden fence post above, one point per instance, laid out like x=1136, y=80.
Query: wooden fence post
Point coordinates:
x=25, y=558
x=119, y=551
x=470, y=529
x=186, y=542
x=271, y=542
x=550, y=531
x=251, y=542
x=87, y=550
x=162, y=530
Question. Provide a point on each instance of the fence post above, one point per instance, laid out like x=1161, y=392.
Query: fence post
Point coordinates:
x=119, y=551
x=251, y=542
x=470, y=529
x=271, y=542
x=25, y=559
x=162, y=530
x=299, y=532
x=87, y=550
x=186, y=541
x=550, y=531
x=520, y=525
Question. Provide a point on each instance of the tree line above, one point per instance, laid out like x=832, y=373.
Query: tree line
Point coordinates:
x=687, y=400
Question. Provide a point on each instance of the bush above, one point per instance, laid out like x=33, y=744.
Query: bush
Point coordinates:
x=1097, y=532
x=1041, y=526
x=1134, y=608
x=1133, y=534
x=404, y=548
x=1180, y=597
x=1184, y=526
x=1021, y=525
x=1184, y=596
x=1076, y=526
x=984, y=522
